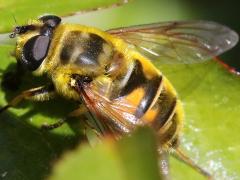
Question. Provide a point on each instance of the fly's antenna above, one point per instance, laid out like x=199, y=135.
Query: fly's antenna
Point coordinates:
x=15, y=20
x=13, y=34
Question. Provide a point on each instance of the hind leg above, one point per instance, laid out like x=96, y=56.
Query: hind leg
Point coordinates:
x=164, y=165
x=179, y=154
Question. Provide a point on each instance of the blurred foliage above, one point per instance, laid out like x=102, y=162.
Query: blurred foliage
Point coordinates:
x=25, y=9
x=131, y=158
x=208, y=91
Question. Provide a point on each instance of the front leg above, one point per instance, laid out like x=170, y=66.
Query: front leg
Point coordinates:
x=76, y=113
x=81, y=110
x=43, y=93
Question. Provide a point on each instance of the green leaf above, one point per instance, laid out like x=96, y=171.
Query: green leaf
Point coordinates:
x=210, y=97
x=132, y=158
x=139, y=155
x=26, y=9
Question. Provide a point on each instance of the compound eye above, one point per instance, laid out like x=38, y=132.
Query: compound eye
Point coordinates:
x=50, y=20
x=35, y=51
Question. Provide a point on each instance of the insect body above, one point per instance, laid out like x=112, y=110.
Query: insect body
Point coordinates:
x=111, y=74
x=118, y=85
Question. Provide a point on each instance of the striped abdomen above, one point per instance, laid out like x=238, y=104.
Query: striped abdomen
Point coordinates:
x=156, y=103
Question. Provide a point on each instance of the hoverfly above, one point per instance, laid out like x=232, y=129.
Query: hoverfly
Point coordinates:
x=111, y=73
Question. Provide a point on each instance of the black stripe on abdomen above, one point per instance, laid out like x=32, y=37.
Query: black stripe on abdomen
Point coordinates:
x=136, y=79
x=151, y=86
x=151, y=89
x=166, y=108
x=169, y=136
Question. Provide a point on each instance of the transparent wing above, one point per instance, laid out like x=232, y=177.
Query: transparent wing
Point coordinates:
x=116, y=114
x=180, y=41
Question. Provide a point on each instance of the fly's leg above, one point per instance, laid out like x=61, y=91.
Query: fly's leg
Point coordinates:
x=164, y=165
x=179, y=154
x=76, y=113
x=43, y=93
